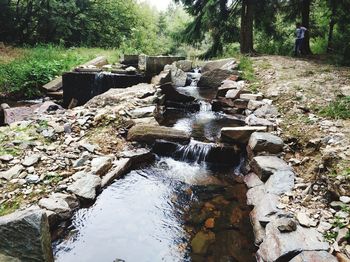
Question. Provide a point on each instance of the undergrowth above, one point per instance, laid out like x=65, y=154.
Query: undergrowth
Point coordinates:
x=338, y=109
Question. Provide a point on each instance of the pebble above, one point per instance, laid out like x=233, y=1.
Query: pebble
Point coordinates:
x=345, y=199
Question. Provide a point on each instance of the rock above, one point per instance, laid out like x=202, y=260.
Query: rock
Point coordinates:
x=345, y=199
x=303, y=219
x=209, y=223
x=25, y=235
x=47, y=107
x=201, y=242
x=31, y=160
x=256, y=97
x=228, y=85
x=265, y=142
x=120, y=168
x=143, y=112
x=324, y=227
x=214, y=78
x=161, y=79
x=233, y=93
x=184, y=65
x=286, y=225
x=12, y=173
x=341, y=257
x=89, y=147
x=314, y=256
x=342, y=235
x=218, y=64
x=71, y=200
x=252, y=120
x=138, y=156
x=240, y=134
x=101, y=165
x=32, y=179
x=241, y=103
x=265, y=166
x=82, y=160
x=265, y=209
x=252, y=180
x=57, y=205
x=258, y=230
x=255, y=194
x=279, y=246
x=266, y=111
x=6, y=158
x=253, y=105
x=171, y=94
x=86, y=187
x=178, y=76
x=149, y=134
x=280, y=182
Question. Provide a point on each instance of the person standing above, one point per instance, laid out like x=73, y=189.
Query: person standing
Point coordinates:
x=300, y=35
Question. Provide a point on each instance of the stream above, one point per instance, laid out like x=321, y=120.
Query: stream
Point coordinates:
x=182, y=207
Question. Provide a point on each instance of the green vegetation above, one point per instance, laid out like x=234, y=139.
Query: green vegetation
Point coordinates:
x=9, y=207
x=338, y=109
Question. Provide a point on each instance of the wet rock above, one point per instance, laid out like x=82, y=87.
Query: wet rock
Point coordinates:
x=101, y=165
x=184, y=65
x=240, y=134
x=25, y=235
x=12, y=173
x=265, y=142
x=86, y=187
x=228, y=63
x=31, y=160
x=209, y=223
x=214, y=78
x=120, y=168
x=286, y=225
x=265, y=166
x=252, y=180
x=280, y=182
x=138, y=156
x=266, y=111
x=149, y=134
x=279, y=246
x=201, y=242
x=314, y=256
x=171, y=94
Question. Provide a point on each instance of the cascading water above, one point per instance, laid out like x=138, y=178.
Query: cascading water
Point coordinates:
x=195, y=151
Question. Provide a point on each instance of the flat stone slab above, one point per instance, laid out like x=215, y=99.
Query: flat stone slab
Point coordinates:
x=217, y=64
x=25, y=235
x=119, y=169
x=279, y=246
x=86, y=186
x=11, y=173
x=265, y=142
x=256, y=97
x=265, y=166
x=240, y=134
x=252, y=180
x=149, y=134
x=280, y=182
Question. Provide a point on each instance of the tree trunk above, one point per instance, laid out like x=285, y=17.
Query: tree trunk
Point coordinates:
x=305, y=20
x=247, y=18
x=332, y=23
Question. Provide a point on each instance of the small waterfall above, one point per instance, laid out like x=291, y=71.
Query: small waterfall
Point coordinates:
x=195, y=151
x=205, y=106
x=98, y=84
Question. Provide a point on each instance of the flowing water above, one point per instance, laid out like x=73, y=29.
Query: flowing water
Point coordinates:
x=180, y=208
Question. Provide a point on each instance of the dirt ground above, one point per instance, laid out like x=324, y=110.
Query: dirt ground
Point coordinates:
x=301, y=88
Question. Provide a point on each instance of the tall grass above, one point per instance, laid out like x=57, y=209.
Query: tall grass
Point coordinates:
x=25, y=75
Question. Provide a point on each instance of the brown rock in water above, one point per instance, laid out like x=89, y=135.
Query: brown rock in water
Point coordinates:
x=214, y=78
x=240, y=134
x=201, y=242
x=236, y=216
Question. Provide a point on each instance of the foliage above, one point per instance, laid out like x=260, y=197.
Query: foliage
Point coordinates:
x=9, y=207
x=338, y=109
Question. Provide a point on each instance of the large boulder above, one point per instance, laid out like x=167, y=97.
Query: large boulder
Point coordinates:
x=178, y=76
x=265, y=166
x=119, y=169
x=150, y=133
x=171, y=94
x=265, y=142
x=184, y=65
x=162, y=78
x=279, y=246
x=25, y=236
x=240, y=134
x=214, y=78
x=227, y=64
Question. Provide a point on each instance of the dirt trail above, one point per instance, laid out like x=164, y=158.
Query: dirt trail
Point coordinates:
x=300, y=88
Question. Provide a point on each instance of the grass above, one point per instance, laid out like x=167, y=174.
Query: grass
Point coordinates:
x=24, y=72
x=9, y=207
x=338, y=109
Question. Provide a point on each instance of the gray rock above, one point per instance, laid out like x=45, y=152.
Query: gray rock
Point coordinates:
x=6, y=158
x=323, y=227
x=120, y=168
x=86, y=187
x=252, y=120
x=265, y=142
x=303, y=219
x=101, y=165
x=178, y=76
x=171, y=94
x=214, y=78
x=228, y=85
x=240, y=134
x=255, y=97
x=280, y=182
x=31, y=160
x=25, y=235
x=12, y=173
x=265, y=166
x=255, y=195
x=184, y=65
x=48, y=106
x=258, y=230
x=233, y=93
x=57, y=205
x=314, y=256
x=241, y=103
x=89, y=147
x=82, y=160
x=279, y=246
x=286, y=225
x=252, y=180
x=49, y=133
x=32, y=179
x=266, y=111
x=71, y=200
x=218, y=64
x=345, y=199
x=143, y=112
x=138, y=156
x=150, y=133
x=265, y=209
x=253, y=105
x=161, y=79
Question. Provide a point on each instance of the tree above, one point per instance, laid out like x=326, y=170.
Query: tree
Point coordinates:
x=247, y=20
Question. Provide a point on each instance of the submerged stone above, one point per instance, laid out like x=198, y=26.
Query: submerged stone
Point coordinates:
x=201, y=242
